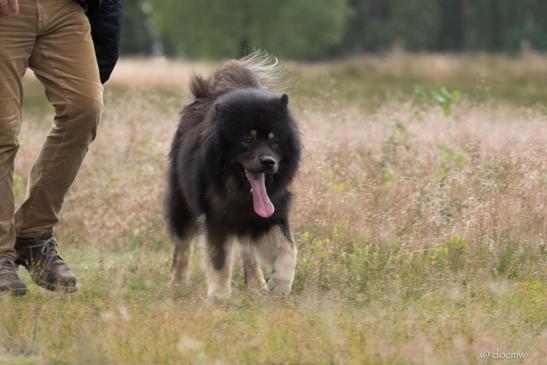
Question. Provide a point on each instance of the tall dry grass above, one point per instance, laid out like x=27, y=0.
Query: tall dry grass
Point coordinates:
x=421, y=236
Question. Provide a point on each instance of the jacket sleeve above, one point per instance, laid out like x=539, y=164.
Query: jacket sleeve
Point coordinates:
x=105, y=18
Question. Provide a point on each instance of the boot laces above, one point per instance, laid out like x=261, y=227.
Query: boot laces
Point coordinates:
x=7, y=266
x=50, y=248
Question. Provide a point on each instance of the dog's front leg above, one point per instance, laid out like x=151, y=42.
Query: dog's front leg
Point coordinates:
x=254, y=278
x=218, y=263
x=279, y=249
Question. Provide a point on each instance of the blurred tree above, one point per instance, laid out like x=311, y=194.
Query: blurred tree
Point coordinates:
x=136, y=35
x=504, y=25
x=454, y=25
x=449, y=25
x=308, y=29
x=228, y=28
x=414, y=24
x=381, y=24
x=366, y=30
x=529, y=25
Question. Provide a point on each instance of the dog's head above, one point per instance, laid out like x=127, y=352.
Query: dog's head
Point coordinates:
x=258, y=140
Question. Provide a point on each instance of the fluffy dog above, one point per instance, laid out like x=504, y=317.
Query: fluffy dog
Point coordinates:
x=232, y=159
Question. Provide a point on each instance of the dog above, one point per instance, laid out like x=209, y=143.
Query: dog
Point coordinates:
x=234, y=154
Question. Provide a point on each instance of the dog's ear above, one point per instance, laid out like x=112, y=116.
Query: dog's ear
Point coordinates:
x=284, y=100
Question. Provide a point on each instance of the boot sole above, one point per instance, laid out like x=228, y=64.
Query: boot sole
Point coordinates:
x=14, y=291
x=68, y=288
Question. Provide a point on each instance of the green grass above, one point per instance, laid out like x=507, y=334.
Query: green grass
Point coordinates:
x=370, y=82
x=410, y=308
x=421, y=233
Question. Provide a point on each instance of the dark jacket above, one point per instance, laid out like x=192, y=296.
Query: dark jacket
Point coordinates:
x=105, y=18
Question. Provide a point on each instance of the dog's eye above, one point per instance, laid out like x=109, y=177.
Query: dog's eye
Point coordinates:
x=248, y=141
x=274, y=142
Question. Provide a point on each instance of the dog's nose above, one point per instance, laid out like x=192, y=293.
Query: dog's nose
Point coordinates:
x=268, y=162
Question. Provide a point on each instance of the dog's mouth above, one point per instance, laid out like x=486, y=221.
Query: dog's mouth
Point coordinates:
x=261, y=201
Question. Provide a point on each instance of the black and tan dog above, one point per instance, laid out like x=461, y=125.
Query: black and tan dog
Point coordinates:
x=234, y=154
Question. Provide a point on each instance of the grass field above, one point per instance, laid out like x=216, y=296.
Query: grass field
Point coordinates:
x=420, y=219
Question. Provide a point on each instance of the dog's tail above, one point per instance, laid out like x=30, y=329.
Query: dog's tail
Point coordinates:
x=258, y=69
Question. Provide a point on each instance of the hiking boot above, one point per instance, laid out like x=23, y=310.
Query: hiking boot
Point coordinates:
x=9, y=280
x=40, y=256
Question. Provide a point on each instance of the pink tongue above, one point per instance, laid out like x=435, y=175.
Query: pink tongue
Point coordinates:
x=261, y=202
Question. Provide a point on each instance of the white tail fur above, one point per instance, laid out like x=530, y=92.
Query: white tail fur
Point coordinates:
x=265, y=67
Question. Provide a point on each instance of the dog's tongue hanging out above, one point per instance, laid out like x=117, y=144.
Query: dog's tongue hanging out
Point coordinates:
x=261, y=201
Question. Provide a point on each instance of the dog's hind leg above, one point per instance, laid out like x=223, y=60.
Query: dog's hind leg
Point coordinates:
x=254, y=278
x=180, y=268
x=183, y=228
x=217, y=255
x=277, y=247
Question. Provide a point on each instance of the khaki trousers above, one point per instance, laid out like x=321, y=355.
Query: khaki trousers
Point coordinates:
x=53, y=38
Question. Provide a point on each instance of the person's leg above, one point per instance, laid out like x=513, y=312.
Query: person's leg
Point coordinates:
x=17, y=35
x=64, y=60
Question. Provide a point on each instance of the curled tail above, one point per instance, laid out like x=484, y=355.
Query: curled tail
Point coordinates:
x=258, y=69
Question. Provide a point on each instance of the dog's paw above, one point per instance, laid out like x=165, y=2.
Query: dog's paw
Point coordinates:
x=179, y=281
x=279, y=287
x=257, y=286
x=218, y=295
